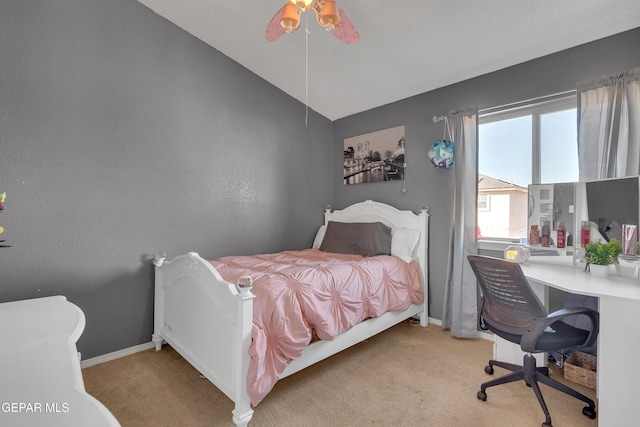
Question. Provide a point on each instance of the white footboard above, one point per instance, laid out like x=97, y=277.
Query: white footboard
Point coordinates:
x=208, y=322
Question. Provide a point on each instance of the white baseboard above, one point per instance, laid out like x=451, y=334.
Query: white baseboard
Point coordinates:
x=435, y=321
x=117, y=354
x=484, y=335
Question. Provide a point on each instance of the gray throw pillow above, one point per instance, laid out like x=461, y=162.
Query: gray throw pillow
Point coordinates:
x=357, y=238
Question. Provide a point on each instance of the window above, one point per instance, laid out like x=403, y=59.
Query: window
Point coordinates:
x=531, y=143
x=483, y=202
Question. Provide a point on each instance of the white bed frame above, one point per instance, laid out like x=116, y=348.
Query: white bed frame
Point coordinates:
x=209, y=322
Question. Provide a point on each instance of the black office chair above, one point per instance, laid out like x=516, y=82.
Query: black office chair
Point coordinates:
x=511, y=310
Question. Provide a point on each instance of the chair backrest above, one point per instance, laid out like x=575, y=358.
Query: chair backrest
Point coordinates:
x=508, y=302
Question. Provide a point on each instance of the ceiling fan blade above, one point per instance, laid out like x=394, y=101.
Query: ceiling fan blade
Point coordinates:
x=274, y=29
x=346, y=31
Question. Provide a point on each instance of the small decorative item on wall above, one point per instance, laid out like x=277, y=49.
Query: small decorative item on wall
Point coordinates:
x=375, y=157
x=3, y=196
x=442, y=153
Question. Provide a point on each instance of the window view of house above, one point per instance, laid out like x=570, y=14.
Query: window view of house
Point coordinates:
x=531, y=144
x=502, y=208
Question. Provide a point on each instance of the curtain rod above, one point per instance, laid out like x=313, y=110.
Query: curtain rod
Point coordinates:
x=454, y=113
x=527, y=102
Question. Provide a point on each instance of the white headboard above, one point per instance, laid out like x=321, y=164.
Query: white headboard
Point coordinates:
x=370, y=211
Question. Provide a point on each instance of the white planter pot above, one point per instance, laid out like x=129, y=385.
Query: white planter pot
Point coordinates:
x=599, y=270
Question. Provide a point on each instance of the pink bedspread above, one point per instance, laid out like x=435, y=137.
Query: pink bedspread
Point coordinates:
x=300, y=290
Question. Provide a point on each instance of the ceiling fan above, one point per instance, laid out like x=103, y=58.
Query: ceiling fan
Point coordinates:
x=328, y=15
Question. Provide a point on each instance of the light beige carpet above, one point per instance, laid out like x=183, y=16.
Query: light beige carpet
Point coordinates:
x=406, y=376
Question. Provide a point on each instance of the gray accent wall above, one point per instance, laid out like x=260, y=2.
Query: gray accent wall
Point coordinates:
x=427, y=185
x=122, y=135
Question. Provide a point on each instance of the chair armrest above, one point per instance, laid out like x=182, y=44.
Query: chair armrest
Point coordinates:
x=530, y=338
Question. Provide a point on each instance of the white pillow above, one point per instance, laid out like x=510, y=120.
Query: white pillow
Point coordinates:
x=319, y=237
x=404, y=242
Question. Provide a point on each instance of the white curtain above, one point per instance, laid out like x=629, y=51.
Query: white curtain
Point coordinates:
x=608, y=142
x=609, y=126
x=460, y=309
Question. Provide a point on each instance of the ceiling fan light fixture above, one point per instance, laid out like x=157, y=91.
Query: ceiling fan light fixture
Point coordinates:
x=290, y=17
x=329, y=17
x=302, y=4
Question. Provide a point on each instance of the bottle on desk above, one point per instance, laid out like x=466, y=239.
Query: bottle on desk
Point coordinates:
x=585, y=233
x=534, y=235
x=546, y=234
x=561, y=242
x=629, y=239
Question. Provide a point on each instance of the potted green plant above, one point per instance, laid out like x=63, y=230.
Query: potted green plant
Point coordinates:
x=599, y=255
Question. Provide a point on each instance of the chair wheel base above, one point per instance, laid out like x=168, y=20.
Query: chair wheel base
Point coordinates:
x=590, y=412
x=483, y=396
x=488, y=369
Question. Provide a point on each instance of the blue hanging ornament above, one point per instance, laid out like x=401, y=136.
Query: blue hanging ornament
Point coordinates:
x=441, y=154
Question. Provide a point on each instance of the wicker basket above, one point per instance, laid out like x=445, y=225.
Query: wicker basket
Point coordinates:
x=580, y=368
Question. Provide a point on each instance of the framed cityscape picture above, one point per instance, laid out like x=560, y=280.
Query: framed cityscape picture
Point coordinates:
x=374, y=157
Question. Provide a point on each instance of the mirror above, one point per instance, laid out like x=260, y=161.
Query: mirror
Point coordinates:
x=554, y=203
x=610, y=204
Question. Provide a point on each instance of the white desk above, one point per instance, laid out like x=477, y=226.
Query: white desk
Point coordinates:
x=40, y=377
x=618, y=377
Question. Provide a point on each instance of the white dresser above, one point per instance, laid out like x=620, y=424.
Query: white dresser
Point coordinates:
x=40, y=377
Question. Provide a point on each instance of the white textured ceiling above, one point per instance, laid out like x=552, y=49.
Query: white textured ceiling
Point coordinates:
x=406, y=47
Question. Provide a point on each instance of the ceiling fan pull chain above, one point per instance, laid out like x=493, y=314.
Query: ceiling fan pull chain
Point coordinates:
x=306, y=71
